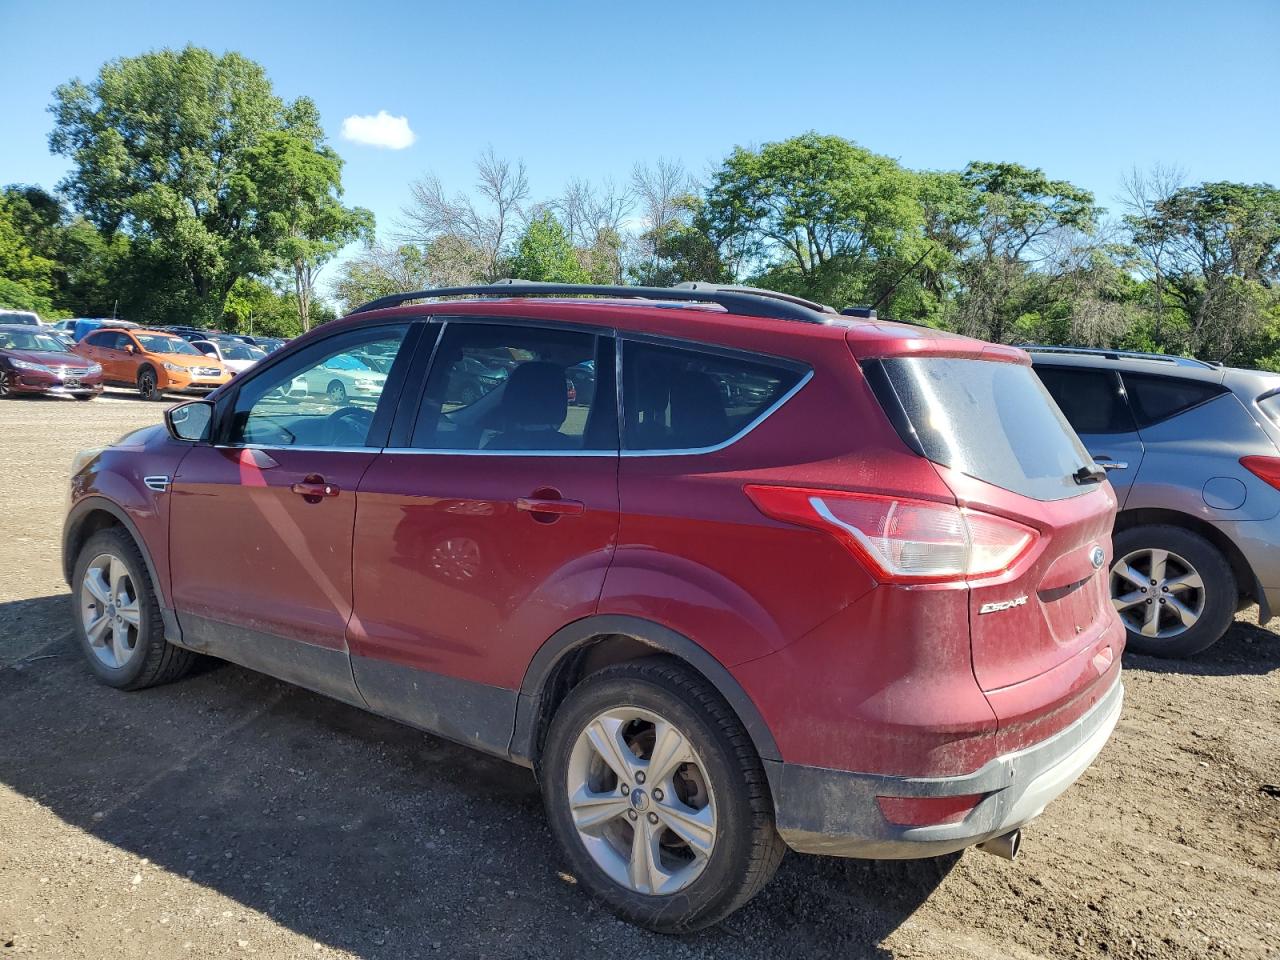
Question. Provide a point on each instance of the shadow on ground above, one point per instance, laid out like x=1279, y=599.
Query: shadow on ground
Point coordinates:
x=363, y=834
x=1246, y=650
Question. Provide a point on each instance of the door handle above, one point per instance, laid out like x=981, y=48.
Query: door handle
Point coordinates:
x=314, y=489
x=550, y=507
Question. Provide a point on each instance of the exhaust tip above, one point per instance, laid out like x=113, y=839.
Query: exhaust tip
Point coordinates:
x=1005, y=846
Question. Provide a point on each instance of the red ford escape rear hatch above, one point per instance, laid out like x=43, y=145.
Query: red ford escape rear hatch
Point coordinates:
x=1004, y=449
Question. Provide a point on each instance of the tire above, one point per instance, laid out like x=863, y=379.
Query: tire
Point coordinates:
x=148, y=388
x=85, y=396
x=1202, y=583
x=148, y=659
x=724, y=776
x=337, y=393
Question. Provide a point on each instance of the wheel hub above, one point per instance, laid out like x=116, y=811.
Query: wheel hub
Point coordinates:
x=640, y=799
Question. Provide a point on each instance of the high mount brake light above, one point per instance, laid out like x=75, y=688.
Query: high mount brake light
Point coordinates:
x=901, y=540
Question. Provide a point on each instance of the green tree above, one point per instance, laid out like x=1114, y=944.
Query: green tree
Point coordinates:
x=544, y=252
x=156, y=143
x=816, y=215
x=292, y=183
x=26, y=277
x=1017, y=227
x=683, y=249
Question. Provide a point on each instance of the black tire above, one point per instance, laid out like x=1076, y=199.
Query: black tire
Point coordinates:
x=1221, y=594
x=148, y=387
x=155, y=660
x=85, y=396
x=337, y=393
x=747, y=848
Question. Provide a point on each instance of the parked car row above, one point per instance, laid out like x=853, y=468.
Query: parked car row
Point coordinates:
x=728, y=579
x=37, y=359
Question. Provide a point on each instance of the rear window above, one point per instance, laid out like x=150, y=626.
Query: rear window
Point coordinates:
x=682, y=399
x=1159, y=398
x=991, y=420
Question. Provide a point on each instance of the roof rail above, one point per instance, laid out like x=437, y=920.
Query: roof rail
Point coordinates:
x=704, y=286
x=746, y=301
x=1123, y=355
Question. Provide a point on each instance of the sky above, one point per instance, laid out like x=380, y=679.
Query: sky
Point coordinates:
x=1085, y=90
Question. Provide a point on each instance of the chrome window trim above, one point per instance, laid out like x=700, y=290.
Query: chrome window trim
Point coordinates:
x=716, y=448
x=502, y=453
x=283, y=448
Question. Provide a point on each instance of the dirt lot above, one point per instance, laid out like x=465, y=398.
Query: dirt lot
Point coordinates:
x=231, y=815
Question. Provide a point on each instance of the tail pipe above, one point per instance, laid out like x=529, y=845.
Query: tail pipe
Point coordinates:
x=1005, y=846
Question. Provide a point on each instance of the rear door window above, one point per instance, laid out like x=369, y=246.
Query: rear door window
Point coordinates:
x=518, y=387
x=1092, y=400
x=684, y=399
x=991, y=420
x=1159, y=398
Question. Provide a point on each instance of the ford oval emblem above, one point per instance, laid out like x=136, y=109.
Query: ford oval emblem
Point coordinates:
x=1096, y=556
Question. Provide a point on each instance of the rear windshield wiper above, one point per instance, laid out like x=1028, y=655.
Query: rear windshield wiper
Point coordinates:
x=1092, y=473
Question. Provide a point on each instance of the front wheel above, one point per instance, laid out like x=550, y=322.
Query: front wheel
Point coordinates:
x=658, y=798
x=147, y=386
x=117, y=617
x=1174, y=591
x=337, y=393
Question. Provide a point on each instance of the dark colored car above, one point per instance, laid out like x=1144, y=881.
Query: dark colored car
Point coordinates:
x=34, y=361
x=790, y=578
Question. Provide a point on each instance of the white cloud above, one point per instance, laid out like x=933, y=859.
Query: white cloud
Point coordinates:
x=382, y=130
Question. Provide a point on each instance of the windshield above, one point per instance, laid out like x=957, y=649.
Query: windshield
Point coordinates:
x=162, y=343
x=235, y=350
x=991, y=420
x=20, y=340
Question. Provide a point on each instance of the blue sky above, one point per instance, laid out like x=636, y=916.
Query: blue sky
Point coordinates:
x=1085, y=90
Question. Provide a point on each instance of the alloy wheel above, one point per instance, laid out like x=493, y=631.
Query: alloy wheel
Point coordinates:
x=1157, y=593
x=110, y=611
x=146, y=385
x=4, y=386
x=641, y=801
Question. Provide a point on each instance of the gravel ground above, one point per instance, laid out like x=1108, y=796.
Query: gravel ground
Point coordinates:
x=232, y=815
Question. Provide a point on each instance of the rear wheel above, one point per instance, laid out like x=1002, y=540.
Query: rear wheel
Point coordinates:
x=337, y=393
x=658, y=798
x=147, y=385
x=1174, y=591
x=117, y=617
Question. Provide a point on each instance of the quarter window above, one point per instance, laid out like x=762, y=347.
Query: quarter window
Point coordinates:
x=1159, y=398
x=500, y=387
x=676, y=398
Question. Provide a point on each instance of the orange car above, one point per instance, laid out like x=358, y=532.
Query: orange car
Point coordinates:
x=154, y=361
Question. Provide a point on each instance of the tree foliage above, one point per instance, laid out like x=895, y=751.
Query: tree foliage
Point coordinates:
x=544, y=252
x=192, y=156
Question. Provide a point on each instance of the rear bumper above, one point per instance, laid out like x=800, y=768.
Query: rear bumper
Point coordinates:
x=835, y=812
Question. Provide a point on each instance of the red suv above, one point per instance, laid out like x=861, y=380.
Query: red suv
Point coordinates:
x=780, y=578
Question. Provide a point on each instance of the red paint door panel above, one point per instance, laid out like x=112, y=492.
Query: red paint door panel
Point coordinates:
x=250, y=551
x=455, y=575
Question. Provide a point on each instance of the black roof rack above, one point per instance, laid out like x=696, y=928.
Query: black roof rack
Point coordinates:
x=1122, y=355
x=747, y=301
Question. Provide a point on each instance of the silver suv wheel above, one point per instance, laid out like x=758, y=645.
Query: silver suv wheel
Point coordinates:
x=641, y=801
x=109, y=610
x=1157, y=593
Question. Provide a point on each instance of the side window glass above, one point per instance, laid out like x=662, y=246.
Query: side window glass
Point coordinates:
x=1090, y=399
x=683, y=399
x=322, y=397
x=498, y=387
x=1159, y=398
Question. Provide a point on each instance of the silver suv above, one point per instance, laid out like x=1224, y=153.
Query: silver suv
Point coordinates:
x=1193, y=451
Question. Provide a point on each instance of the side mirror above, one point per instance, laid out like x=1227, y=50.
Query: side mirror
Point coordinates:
x=190, y=421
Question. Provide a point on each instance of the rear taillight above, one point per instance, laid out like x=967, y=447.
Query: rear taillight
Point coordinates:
x=1265, y=468
x=901, y=540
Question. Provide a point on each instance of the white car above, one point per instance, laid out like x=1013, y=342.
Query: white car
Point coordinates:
x=341, y=378
x=235, y=356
